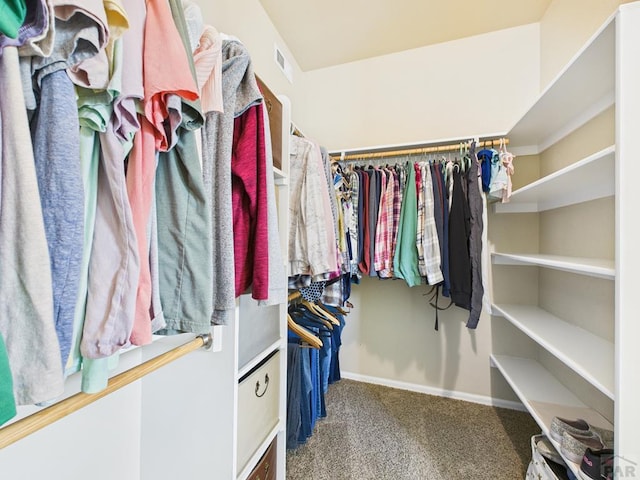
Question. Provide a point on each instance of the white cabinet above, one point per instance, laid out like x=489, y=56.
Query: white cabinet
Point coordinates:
x=564, y=265
x=258, y=344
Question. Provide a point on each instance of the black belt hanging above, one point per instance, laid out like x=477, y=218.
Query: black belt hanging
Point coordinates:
x=433, y=301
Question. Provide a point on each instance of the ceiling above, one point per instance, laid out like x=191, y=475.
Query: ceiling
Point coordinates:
x=331, y=32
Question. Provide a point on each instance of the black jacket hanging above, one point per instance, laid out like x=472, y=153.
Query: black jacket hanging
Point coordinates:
x=475, y=240
x=459, y=230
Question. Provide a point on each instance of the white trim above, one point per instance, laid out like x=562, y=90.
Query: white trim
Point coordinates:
x=627, y=329
x=217, y=331
x=438, y=392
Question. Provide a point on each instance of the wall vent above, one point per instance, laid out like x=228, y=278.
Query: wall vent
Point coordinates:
x=283, y=63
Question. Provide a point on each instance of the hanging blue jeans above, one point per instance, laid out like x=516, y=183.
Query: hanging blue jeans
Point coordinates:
x=294, y=386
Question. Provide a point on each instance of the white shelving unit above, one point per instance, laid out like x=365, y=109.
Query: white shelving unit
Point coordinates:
x=588, y=179
x=588, y=355
x=584, y=88
x=544, y=396
x=594, y=267
x=605, y=73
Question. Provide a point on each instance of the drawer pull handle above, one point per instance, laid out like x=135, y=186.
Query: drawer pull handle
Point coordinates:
x=266, y=386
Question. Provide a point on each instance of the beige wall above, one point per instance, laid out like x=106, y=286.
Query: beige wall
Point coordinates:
x=565, y=27
x=595, y=135
x=247, y=20
x=448, y=90
x=473, y=86
x=390, y=336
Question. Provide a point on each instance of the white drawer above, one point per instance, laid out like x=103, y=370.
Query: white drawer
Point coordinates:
x=258, y=402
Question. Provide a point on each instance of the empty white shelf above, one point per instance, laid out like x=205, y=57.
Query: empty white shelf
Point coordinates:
x=590, y=356
x=588, y=179
x=581, y=91
x=594, y=267
x=544, y=396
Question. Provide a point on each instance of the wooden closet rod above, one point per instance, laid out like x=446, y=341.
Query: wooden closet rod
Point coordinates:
x=413, y=151
x=31, y=424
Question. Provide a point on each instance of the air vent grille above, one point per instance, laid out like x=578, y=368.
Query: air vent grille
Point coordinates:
x=283, y=63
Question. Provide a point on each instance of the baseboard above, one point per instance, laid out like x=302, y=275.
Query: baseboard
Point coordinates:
x=414, y=387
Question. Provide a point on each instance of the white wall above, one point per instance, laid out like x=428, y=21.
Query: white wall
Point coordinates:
x=101, y=441
x=476, y=85
x=565, y=27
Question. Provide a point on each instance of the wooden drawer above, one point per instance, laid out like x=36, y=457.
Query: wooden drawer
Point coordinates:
x=258, y=403
x=266, y=468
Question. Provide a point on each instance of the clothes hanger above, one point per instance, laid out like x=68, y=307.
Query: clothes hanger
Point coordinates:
x=324, y=316
x=304, y=334
x=305, y=318
x=328, y=315
x=311, y=308
x=317, y=315
x=293, y=296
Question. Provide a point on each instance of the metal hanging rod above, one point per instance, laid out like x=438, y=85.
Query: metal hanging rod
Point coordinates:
x=450, y=147
x=37, y=421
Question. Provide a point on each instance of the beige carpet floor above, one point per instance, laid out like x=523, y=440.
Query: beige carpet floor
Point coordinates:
x=379, y=433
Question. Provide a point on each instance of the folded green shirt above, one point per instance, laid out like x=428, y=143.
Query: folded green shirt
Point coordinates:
x=12, y=15
x=7, y=400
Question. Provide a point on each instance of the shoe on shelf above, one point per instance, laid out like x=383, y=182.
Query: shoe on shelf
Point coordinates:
x=597, y=464
x=606, y=436
x=560, y=425
x=579, y=427
x=574, y=445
